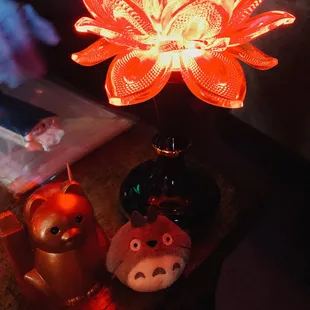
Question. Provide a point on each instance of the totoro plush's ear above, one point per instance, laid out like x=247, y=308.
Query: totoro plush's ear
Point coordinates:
x=137, y=220
x=152, y=214
x=72, y=187
x=32, y=205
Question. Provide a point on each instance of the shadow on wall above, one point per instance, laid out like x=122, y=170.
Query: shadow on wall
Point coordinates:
x=277, y=101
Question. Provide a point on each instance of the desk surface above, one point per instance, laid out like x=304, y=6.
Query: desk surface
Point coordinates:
x=249, y=188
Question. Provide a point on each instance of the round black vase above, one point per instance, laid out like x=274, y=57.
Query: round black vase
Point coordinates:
x=180, y=189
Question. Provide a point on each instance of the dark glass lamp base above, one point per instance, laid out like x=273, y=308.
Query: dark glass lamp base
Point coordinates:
x=181, y=190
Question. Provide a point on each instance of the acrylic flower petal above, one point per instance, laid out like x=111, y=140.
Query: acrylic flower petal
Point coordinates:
x=215, y=78
x=257, y=26
x=96, y=53
x=89, y=25
x=123, y=14
x=253, y=56
x=152, y=8
x=243, y=11
x=96, y=9
x=136, y=77
x=127, y=15
x=201, y=19
x=219, y=45
x=171, y=9
x=160, y=13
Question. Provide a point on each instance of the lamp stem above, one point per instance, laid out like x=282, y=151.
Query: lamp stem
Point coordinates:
x=173, y=108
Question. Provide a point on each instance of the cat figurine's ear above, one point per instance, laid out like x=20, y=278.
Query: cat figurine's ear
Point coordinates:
x=152, y=214
x=32, y=206
x=137, y=220
x=71, y=186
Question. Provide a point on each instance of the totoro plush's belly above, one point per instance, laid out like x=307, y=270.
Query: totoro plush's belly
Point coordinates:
x=70, y=274
x=155, y=273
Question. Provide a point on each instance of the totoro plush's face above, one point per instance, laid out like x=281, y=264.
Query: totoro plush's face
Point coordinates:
x=150, y=255
x=60, y=221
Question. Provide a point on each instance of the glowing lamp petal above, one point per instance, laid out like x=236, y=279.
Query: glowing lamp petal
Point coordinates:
x=200, y=38
x=160, y=12
x=96, y=53
x=258, y=25
x=128, y=16
x=219, y=45
x=215, y=78
x=201, y=19
x=253, y=56
x=96, y=9
x=137, y=77
x=125, y=14
x=88, y=25
x=243, y=10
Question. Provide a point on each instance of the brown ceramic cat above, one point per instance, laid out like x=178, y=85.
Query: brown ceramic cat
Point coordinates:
x=148, y=253
x=69, y=244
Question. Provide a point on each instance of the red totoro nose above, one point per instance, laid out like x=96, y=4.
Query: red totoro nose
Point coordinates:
x=70, y=234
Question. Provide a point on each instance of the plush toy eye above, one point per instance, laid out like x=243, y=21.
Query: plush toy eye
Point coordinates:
x=135, y=245
x=79, y=219
x=55, y=230
x=167, y=239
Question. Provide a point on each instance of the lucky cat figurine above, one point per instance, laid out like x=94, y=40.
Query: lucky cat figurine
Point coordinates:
x=148, y=253
x=69, y=245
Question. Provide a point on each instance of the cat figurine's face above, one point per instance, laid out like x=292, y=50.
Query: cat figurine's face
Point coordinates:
x=148, y=253
x=61, y=223
x=61, y=220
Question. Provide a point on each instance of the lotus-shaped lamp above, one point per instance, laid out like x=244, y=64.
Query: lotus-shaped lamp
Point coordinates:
x=202, y=39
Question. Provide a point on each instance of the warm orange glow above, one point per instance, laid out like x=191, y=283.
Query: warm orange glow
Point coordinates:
x=199, y=38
